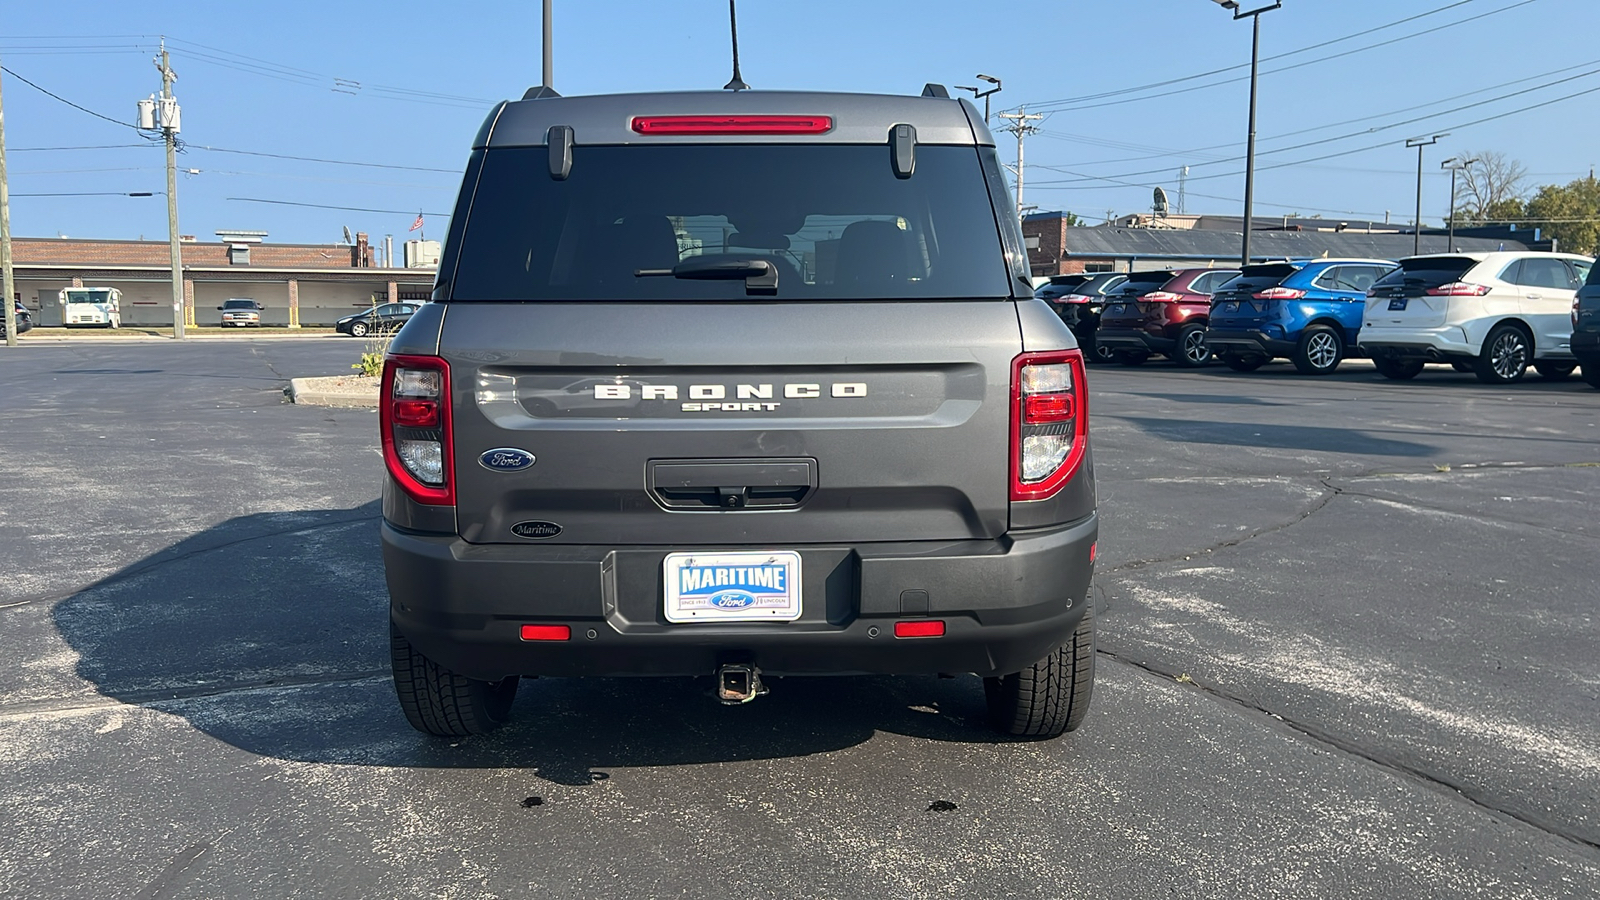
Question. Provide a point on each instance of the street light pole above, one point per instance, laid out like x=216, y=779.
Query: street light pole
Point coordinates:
x=549, y=64
x=984, y=95
x=1454, y=164
x=1250, y=146
x=6, y=277
x=1416, y=225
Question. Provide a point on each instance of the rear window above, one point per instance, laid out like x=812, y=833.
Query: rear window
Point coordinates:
x=1594, y=272
x=1141, y=283
x=834, y=221
x=1429, y=272
x=1258, y=278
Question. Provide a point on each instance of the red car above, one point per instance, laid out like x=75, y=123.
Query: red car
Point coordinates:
x=1161, y=312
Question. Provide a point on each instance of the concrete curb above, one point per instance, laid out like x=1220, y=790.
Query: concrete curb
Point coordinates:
x=305, y=392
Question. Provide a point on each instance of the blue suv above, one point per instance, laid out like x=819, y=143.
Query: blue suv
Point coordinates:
x=1308, y=311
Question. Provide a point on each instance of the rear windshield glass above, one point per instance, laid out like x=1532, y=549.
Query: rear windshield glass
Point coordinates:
x=1594, y=273
x=1141, y=283
x=1258, y=278
x=833, y=220
x=1428, y=272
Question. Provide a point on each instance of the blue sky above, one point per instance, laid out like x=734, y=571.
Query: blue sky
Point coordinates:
x=406, y=84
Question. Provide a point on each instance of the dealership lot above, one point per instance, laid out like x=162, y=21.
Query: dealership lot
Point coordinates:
x=1347, y=650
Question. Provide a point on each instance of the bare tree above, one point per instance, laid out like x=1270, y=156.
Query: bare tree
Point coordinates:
x=1492, y=187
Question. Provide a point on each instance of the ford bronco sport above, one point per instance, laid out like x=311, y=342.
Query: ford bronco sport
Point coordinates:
x=737, y=385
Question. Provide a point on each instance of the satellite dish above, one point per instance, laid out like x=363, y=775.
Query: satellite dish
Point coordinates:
x=347, y=231
x=1161, y=202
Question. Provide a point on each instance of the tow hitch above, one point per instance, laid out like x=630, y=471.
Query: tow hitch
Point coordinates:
x=738, y=684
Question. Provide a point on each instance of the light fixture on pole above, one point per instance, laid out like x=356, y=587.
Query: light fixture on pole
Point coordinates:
x=1454, y=164
x=1250, y=148
x=976, y=94
x=1416, y=225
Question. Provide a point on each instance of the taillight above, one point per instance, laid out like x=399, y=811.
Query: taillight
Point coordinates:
x=1161, y=297
x=1575, y=319
x=1278, y=293
x=1077, y=298
x=1049, y=422
x=732, y=124
x=414, y=416
x=1458, y=289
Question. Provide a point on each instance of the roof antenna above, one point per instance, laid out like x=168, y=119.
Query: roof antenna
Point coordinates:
x=737, y=84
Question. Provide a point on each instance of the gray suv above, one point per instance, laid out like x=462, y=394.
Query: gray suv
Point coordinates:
x=737, y=385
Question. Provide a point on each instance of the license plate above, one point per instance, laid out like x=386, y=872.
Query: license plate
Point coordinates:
x=1231, y=307
x=732, y=587
x=1397, y=305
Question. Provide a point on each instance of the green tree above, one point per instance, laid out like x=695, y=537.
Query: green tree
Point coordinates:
x=1569, y=213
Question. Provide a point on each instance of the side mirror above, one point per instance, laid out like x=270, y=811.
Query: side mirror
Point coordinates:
x=219, y=307
x=259, y=306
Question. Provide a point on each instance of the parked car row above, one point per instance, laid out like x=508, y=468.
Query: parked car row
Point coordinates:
x=1492, y=314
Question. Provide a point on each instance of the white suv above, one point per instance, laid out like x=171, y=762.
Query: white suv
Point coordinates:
x=1493, y=314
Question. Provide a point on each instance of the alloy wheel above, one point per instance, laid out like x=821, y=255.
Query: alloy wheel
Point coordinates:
x=1509, y=355
x=1322, y=350
x=1195, y=349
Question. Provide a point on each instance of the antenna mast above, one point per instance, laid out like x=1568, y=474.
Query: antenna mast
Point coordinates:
x=737, y=84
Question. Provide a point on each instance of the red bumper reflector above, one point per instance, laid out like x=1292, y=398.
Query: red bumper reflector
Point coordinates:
x=919, y=628
x=546, y=633
x=732, y=124
x=1092, y=548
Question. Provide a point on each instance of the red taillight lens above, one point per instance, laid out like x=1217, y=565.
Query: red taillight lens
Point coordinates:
x=416, y=413
x=1458, y=289
x=1279, y=293
x=1076, y=298
x=919, y=628
x=1575, y=321
x=1161, y=297
x=1049, y=422
x=547, y=632
x=414, y=418
x=732, y=124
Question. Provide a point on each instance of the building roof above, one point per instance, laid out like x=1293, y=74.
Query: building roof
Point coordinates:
x=1124, y=243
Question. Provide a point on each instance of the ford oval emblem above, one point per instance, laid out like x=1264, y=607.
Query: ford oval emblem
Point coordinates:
x=536, y=530
x=506, y=459
x=733, y=600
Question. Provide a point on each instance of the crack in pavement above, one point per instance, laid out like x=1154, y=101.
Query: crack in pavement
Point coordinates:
x=153, y=698
x=1316, y=507
x=152, y=563
x=1439, y=782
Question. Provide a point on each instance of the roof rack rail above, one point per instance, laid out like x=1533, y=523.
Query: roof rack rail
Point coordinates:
x=935, y=90
x=539, y=92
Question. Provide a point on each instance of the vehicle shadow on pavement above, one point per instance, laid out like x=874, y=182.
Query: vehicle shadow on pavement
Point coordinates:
x=269, y=632
x=1314, y=438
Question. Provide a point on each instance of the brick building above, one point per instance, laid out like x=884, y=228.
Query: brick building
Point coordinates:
x=299, y=284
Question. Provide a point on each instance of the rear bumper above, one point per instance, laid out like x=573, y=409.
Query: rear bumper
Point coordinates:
x=1586, y=349
x=1133, y=339
x=1006, y=603
x=1439, y=344
x=1247, y=341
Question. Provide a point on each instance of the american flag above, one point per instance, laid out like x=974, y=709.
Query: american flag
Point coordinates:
x=417, y=224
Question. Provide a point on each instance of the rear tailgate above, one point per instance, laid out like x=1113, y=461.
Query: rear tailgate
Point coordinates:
x=830, y=422
x=1402, y=300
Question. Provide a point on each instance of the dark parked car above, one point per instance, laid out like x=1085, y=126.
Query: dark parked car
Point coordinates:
x=1080, y=308
x=24, y=319
x=1309, y=312
x=377, y=320
x=646, y=428
x=1586, y=327
x=1059, y=286
x=1162, y=312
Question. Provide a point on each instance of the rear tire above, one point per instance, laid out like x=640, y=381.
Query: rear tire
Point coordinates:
x=1505, y=357
x=438, y=701
x=1591, y=375
x=1094, y=351
x=1244, y=362
x=1397, y=369
x=1550, y=370
x=1191, y=351
x=1131, y=357
x=1051, y=696
x=1320, y=351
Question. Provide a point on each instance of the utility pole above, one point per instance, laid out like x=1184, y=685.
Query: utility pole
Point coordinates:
x=8, y=279
x=549, y=64
x=168, y=121
x=1019, y=126
x=1416, y=226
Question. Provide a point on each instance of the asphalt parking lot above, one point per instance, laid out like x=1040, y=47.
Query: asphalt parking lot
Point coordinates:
x=1348, y=650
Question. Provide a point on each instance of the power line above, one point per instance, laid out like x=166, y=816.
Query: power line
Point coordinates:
x=398, y=212
x=336, y=162
x=1075, y=105
x=96, y=194
x=92, y=147
x=68, y=102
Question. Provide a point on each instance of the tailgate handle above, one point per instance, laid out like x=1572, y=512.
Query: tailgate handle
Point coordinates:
x=707, y=485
